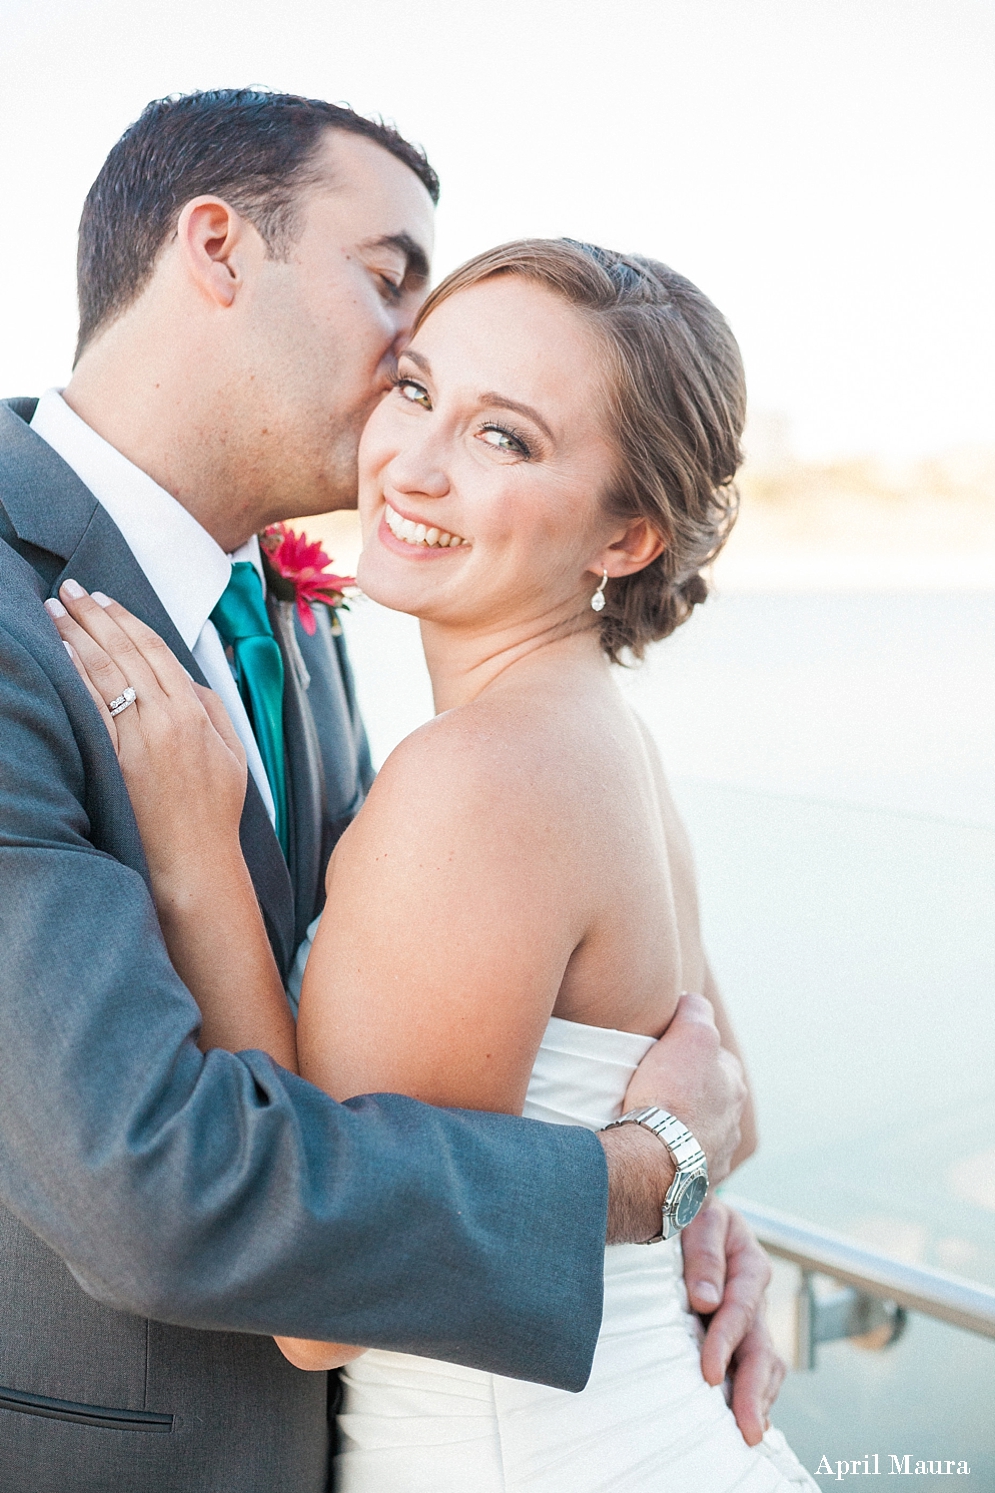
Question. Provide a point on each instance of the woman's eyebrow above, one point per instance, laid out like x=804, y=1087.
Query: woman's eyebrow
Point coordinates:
x=520, y=409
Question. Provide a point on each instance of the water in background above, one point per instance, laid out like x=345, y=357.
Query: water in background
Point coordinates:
x=834, y=757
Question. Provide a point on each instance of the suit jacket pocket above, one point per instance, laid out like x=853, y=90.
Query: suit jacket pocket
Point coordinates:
x=85, y=1415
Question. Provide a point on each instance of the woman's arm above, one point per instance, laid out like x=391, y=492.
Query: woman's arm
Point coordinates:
x=185, y=772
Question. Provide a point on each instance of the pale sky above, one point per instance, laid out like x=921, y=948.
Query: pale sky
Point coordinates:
x=822, y=168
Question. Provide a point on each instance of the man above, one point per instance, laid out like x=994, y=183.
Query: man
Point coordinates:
x=249, y=266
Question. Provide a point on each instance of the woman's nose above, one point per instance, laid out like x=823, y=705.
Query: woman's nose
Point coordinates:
x=418, y=469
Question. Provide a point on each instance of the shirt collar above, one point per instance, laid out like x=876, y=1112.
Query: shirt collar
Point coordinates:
x=187, y=569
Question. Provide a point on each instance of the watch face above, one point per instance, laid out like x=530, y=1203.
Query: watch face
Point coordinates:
x=690, y=1201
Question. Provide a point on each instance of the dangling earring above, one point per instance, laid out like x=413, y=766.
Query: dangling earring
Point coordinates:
x=598, y=599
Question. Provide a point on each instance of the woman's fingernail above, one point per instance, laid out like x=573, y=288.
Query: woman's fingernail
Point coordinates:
x=73, y=589
x=54, y=608
x=68, y=648
x=706, y=1293
x=100, y=598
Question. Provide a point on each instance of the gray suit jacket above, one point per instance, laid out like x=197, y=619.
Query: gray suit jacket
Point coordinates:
x=161, y=1211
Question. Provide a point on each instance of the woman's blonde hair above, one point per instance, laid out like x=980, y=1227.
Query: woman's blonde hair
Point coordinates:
x=677, y=402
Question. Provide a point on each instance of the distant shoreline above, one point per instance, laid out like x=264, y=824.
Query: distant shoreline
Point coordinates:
x=864, y=525
x=799, y=569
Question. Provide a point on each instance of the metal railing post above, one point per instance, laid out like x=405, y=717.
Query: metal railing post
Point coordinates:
x=804, y=1325
x=878, y=1290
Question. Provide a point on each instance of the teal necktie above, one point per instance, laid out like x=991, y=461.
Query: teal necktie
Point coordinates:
x=241, y=619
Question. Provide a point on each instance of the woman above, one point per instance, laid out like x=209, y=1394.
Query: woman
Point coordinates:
x=512, y=916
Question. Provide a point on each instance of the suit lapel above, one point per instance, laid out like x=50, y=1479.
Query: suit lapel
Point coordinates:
x=46, y=503
x=51, y=510
x=102, y=561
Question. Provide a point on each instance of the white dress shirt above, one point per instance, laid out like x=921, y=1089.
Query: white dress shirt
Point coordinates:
x=185, y=567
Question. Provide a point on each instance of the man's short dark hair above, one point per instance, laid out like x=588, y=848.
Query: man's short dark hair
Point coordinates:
x=256, y=149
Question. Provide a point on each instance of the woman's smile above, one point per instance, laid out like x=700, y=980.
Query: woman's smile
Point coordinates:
x=415, y=535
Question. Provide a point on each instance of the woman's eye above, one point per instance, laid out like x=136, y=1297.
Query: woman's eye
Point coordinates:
x=414, y=392
x=389, y=288
x=504, y=440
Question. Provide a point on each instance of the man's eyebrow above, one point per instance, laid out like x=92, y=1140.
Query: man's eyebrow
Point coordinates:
x=416, y=260
x=420, y=361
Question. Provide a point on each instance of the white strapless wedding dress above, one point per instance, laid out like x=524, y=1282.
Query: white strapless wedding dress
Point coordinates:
x=646, y=1423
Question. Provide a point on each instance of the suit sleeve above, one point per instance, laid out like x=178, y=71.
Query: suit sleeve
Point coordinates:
x=220, y=1191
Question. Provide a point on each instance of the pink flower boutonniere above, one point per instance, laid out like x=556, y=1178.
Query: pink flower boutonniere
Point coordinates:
x=298, y=572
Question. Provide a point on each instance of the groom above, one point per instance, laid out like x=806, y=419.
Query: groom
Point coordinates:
x=249, y=265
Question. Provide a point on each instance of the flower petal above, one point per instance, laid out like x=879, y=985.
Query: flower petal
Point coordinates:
x=306, y=615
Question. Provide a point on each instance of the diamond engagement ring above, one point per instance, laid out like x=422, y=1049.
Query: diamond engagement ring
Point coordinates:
x=123, y=701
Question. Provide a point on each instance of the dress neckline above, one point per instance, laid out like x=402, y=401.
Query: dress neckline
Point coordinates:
x=578, y=1039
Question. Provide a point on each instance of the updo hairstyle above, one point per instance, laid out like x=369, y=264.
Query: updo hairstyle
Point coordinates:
x=676, y=405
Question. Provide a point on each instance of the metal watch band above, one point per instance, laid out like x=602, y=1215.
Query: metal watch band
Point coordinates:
x=689, y=1158
x=675, y=1136
x=666, y=1127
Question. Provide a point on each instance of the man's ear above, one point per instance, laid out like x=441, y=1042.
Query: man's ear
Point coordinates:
x=638, y=546
x=214, y=241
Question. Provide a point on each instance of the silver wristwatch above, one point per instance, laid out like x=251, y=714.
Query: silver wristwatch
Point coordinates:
x=686, y=1192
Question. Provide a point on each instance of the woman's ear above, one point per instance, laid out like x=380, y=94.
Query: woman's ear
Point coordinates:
x=638, y=546
x=212, y=239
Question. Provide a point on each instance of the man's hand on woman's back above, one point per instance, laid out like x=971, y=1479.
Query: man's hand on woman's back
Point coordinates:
x=692, y=1075
x=689, y=1073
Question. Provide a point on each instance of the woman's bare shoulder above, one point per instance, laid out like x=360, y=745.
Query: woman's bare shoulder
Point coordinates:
x=470, y=807
x=491, y=749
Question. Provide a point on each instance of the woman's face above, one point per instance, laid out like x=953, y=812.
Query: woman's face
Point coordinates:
x=482, y=472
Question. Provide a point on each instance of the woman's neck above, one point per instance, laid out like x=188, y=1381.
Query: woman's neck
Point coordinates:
x=463, y=662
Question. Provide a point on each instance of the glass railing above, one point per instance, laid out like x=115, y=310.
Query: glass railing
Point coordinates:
x=855, y=949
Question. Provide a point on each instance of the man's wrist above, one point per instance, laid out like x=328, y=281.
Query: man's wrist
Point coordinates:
x=640, y=1172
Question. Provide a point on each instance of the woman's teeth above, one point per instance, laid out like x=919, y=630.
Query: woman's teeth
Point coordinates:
x=411, y=533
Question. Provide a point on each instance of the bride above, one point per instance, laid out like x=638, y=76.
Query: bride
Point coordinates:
x=512, y=917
